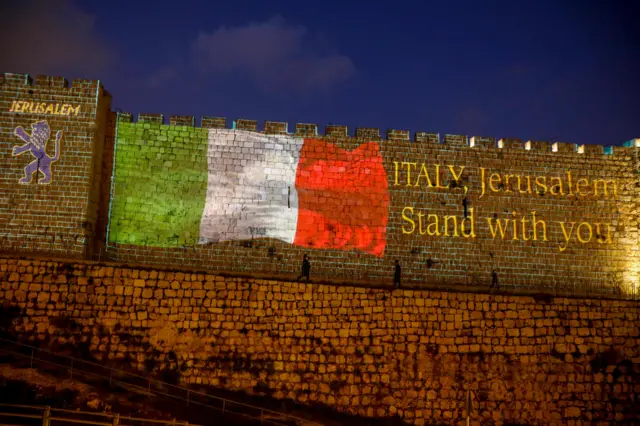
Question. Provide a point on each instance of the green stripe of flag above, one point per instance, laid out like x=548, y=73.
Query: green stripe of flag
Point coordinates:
x=160, y=185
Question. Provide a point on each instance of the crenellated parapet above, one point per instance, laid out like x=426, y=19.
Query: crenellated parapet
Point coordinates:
x=451, y=208
x=390, y=136
x=47, y=82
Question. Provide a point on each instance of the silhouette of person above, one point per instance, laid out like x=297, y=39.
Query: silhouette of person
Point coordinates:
x=397, y=275
x=306, y=268
x=494, y=280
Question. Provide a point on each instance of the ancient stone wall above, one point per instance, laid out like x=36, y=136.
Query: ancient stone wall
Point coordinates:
x=554, y=217
x=49, y=188
x=104, y=198
x=550, y=217
x=539, y=361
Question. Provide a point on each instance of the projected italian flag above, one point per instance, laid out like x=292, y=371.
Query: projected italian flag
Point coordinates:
x=307, y=192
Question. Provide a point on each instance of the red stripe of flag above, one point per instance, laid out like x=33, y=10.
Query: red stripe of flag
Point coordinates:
x=343, y=201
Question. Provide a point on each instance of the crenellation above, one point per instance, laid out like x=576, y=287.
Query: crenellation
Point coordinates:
x=275, y=128
x=591, y=150
x=213, y=122
x=538, y=146
x=51, y=81
x=182, y=120
x=368, y=133
x=624, y=151
x=336, y=131
x=14, y=79
x=89, y=87
x=151, y=118
x=249, y=125
x=423, y=137
x=458, y=141
x=125, y=117
x=306, y=129
x=564, y=147
x=511, y=144
x=482, y=142
x=398, y=135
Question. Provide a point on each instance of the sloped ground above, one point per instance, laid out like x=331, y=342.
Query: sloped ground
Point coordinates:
x=51, y=385
x=32, y=387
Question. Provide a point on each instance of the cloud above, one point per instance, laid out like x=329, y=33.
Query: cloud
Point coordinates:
x=272, y=54
x=49, y=37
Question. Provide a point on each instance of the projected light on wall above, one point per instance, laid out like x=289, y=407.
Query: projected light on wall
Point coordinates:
x=247, y=185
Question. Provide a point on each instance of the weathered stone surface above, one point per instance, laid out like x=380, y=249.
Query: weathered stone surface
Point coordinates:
x=362, y=351
x=61, y=220
x=595, y=195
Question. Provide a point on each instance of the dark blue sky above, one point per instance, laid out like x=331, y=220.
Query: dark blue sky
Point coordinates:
x=567, y=70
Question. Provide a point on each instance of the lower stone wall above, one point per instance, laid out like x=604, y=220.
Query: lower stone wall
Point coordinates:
x=357, y=350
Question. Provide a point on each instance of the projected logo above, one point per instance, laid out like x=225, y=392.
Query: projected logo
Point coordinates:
x=36, y=144
x=307, y=192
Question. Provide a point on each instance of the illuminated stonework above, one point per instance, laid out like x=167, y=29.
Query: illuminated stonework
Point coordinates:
x=221, y=197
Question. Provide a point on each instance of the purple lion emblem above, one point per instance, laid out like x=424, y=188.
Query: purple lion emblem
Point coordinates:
x=36, y=143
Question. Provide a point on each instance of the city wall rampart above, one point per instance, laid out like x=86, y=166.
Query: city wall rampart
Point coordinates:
x=172, y=249
x=229, y=196
x=358, y=350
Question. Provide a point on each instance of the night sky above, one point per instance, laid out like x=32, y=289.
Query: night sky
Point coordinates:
x=544, y=70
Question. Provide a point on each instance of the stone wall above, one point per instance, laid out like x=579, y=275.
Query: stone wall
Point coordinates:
x=56, y=215
x=373, y=352
x=584, y=200
x=104, y=198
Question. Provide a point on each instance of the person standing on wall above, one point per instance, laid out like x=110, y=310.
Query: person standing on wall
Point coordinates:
x=397, y=274
x=494, y=280
x=306, y=268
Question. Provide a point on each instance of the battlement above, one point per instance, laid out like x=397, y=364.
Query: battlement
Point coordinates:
x=391, y=135
x=160, y=189
x=8, y=80
x=46, y=81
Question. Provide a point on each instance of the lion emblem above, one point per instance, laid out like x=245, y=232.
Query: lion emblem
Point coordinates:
x=36, y=144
